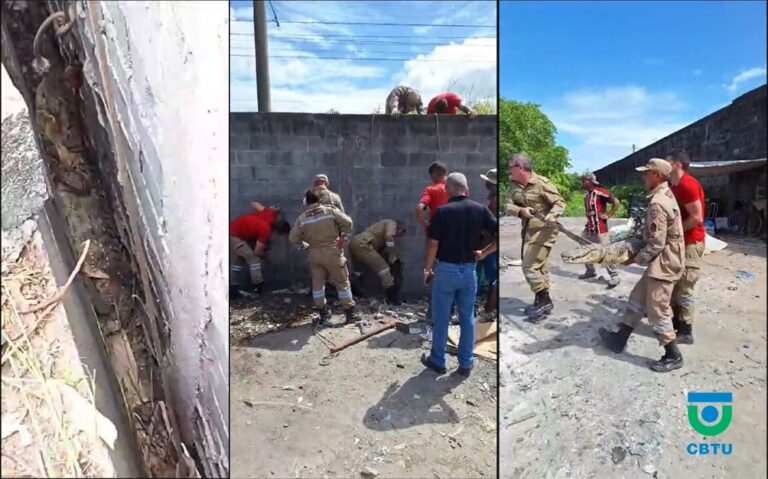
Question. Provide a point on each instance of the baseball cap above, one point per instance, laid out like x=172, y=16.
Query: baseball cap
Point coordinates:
x=658, y=165
x=591, y=177
x=490, y=177
x=323, y=177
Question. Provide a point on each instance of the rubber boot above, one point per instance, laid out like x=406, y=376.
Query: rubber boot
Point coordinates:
x=352, y=315
x=234, y=293
x=684, y=333
x=536, y=303
x=323, y=315
x=545, y=305
x=393, y=295
x=617, y=341
x=671, y=360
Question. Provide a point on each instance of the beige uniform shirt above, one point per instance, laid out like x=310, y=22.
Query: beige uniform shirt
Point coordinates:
x=664, y=250
x=320, y=226
x=380, y=235
x=328, y=197
x=541, y=195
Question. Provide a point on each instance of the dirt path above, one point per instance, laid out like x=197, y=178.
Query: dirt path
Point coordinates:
x=570, y=408
x=373, y=406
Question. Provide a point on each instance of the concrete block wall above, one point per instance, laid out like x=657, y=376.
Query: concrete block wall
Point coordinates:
x=736, y=132
x=376, y=163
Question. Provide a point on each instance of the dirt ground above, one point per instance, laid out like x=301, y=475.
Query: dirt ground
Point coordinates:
x=571, y=408
x=373, y=410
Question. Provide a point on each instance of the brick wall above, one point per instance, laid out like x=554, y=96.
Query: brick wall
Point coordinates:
x=736, y=132
x=376, y=163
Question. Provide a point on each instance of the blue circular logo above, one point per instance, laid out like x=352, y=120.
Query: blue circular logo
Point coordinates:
x=710, y=413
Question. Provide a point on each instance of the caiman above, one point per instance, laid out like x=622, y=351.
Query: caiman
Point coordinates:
x=617, y=252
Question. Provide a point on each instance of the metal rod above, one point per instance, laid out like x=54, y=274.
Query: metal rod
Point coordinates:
x=262, y=57
x=372, y=332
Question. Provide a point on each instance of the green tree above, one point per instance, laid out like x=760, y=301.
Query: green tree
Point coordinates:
x=523, y=127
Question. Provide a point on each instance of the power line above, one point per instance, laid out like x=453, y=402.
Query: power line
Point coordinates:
x=369, y=52
x=383, y=24
x=373, y=42
x=367, y=59
x=277, y=22
x=323, y=35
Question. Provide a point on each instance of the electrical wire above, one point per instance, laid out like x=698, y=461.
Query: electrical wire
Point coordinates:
x=323, y=35
x=383, y=24
x=368, y=52
x=373, y=42
x=378, y=59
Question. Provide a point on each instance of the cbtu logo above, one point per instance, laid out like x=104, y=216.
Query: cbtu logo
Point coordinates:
x=709, y=420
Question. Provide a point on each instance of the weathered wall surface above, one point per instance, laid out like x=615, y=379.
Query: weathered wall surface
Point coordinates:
x=736, y=132
x=376, y=163
x=161, y=70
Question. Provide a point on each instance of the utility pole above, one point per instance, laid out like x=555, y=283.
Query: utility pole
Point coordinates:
x=262, y=57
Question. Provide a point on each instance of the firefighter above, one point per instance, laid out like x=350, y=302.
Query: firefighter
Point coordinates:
x=375, y=248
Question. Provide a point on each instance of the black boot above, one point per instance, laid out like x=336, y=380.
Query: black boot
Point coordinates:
x=352, y=315
x=617, y=341
x=323, y=316
x=684, y=333
x=675, y=319
x=536, y=303
x=234, y=293
x=393, y=295
x=544, y=307
x=671, y=360
x=259, y=288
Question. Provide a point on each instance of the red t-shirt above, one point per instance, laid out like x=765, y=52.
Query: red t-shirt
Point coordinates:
x=434, y=195
x=454, y=101
x=686, y=192
x=254, y=226
x=595, y=202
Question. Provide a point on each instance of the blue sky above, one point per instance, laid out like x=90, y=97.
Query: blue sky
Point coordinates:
x=614, y=74
x=430, y=58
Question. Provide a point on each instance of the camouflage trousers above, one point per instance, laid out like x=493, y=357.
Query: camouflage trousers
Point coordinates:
x=329, y=265
x=242, y=259
x=684, y=293
x=535, y=267
x=652, y=298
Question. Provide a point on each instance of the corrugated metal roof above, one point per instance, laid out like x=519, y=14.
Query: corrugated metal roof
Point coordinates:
x=725, y=167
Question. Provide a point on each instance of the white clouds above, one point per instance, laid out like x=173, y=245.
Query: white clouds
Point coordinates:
x=744, y=77
x=607, y=123
x=315, y=84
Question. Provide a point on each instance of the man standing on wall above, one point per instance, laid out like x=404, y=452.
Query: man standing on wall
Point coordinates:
x=663, y=256
x=367, y=248
x=690, y=199
x=452, y=253
x=403, y=100
x=449, y=104
x=324, y=230
x=321, y=187
x=248, y=240
x=535, y=200
x=596, y=200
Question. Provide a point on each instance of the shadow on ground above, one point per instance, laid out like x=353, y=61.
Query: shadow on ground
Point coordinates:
x=584, y=333
x=420, y=400
x=290, y=339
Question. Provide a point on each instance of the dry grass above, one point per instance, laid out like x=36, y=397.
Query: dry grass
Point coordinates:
x=46, y=438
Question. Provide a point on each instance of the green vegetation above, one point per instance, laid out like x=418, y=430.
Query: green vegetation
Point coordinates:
x=523, y=127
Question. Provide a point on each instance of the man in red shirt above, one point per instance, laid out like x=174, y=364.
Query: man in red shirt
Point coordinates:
x=690, y=198
x=596, y=205
x=434, y=195
x=447, y=104
x=248, y=239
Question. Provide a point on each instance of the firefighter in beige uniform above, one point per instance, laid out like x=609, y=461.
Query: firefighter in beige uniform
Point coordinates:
x=365, y=248
x=531, y=194
x=664, y=255
x=324, y=230
x=321, y=187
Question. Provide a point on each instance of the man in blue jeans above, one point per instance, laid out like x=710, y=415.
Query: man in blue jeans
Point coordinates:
x=454, y=240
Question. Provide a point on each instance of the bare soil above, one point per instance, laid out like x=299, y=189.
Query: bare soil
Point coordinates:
x=571, y=408
x=372, y=409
